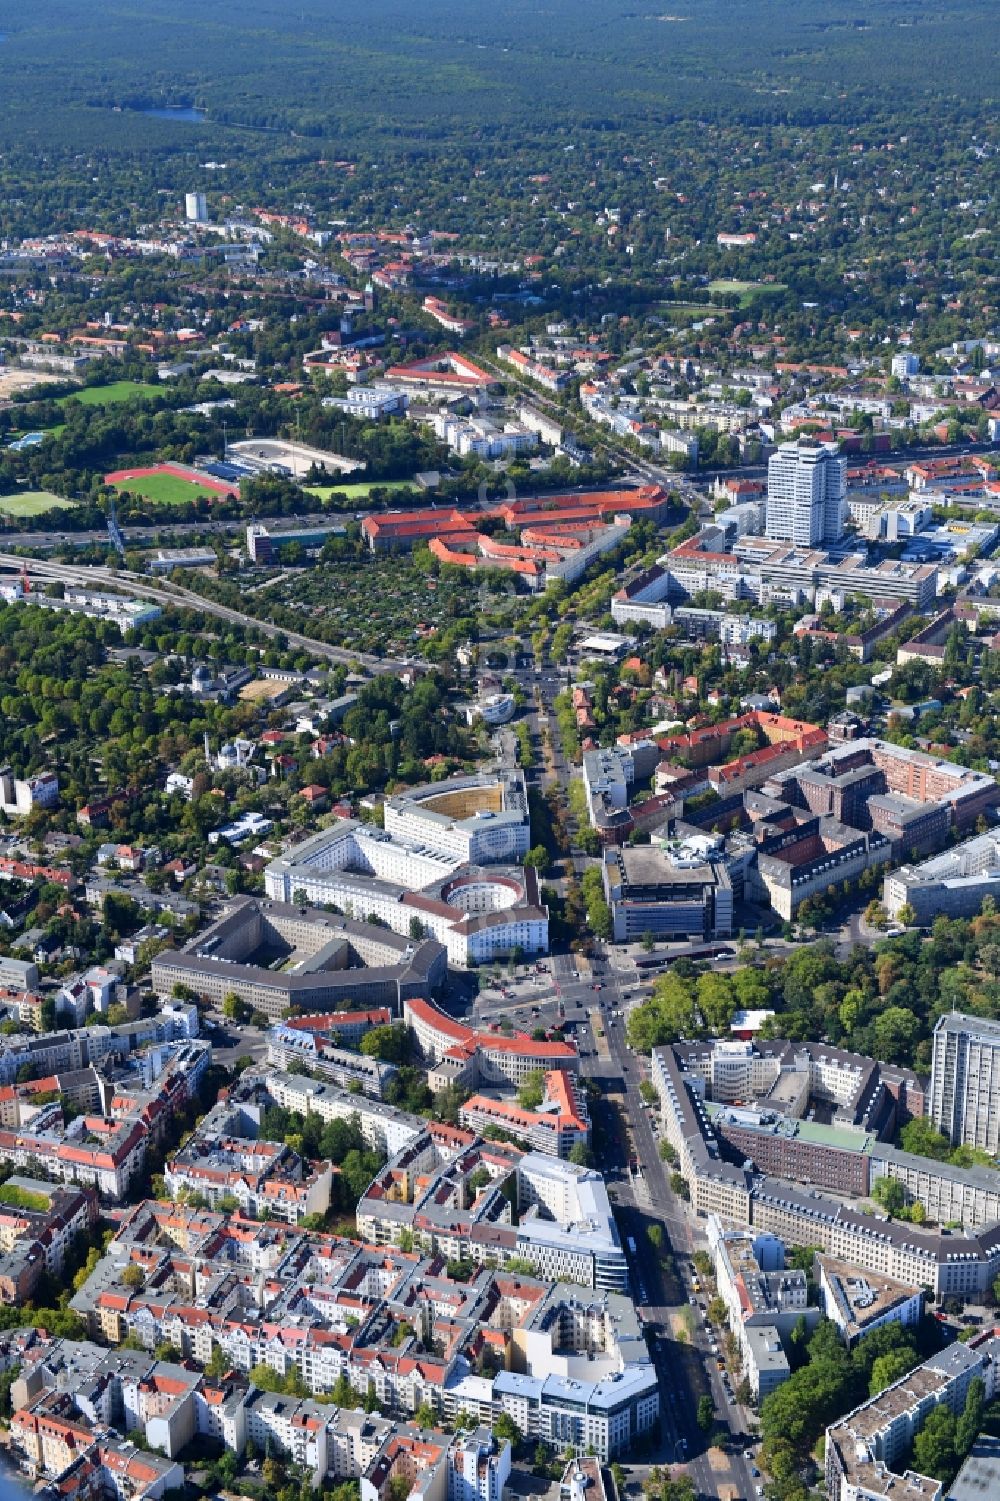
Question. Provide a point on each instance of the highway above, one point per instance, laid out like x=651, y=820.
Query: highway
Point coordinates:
x=152, y=534
x=162, y=591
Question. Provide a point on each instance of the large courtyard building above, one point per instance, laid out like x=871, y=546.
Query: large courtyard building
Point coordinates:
x=280, y=957
x=815, y=1138
x=434, y=869
x=450, y=1194
x=480, y=819
x=806, y=484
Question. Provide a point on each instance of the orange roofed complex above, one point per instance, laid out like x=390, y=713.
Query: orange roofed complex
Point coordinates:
x=444, y=374
x=460, y=1054
x=559, y=536
x=558, y=1123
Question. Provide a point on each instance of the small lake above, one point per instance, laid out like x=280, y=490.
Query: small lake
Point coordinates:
x=182, y=112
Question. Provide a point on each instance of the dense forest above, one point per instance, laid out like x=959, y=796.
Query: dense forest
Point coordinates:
x=485, y=115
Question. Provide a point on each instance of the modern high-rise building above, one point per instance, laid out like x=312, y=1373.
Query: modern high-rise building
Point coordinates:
x=806, y=483
x=904, y=365
x=195, y=208
x=964, y=1097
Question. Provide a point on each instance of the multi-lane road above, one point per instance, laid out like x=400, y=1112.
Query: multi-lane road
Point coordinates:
x=592, y=999
x=663, y=1274
x=595, y=997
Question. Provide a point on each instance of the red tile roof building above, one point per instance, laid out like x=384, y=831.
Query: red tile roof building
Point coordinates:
x=559, y=1123
x=482, y=1056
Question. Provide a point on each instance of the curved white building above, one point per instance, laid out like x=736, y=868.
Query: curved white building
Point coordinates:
x=492, y=709
x=480, y=819
x=435, y=864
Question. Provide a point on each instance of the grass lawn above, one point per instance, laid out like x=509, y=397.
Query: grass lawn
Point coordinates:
x=33, y=503
x=748, y=290
x=166, y=489
x=118, y=390
x=22, y=1198
x=358, y=491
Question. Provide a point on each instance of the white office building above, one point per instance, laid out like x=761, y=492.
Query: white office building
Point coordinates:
x=426, y=866
x=806, y=485
x=195, y=208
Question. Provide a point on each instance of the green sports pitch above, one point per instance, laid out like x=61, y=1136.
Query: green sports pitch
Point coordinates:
x=117, y=390
x=167, y=489
x=33, y=503
x=748, y=290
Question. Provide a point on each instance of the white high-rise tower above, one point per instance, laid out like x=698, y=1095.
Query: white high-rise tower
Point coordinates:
x=195, y=208
x=805, y=494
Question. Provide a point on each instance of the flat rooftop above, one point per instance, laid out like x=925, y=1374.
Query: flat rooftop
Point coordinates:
x=772, y=1123
x=647, y=865
x=979, y=1477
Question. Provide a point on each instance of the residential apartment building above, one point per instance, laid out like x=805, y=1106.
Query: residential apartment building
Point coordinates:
x=19, y=796
x=575, y=1359
x=560, y=1122
x=226, y=1163
x=564, y=1228
x=764, y=1302
x=964, y=1098
x=313, y=1041
x=867, y=1449
x=383, y=1127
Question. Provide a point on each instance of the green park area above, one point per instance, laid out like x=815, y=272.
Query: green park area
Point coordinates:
x=33, y=503
x=360, y=491
x=117, y=390
x=748, y=290
x=23, y=1198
